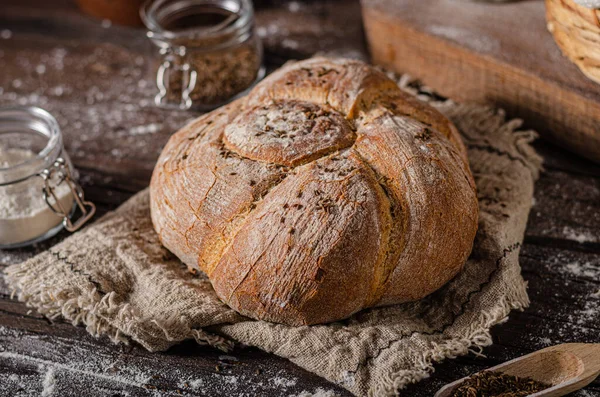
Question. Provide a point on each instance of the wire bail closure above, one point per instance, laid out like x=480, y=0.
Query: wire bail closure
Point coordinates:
x=87, y=208
x=163, y=76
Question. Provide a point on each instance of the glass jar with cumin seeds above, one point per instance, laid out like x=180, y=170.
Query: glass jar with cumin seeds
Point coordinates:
x=209, y=51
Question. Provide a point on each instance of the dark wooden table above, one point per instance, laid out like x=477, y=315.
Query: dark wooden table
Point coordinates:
x=96, y=79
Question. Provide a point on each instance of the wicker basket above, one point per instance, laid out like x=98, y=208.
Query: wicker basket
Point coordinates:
x=576, y=30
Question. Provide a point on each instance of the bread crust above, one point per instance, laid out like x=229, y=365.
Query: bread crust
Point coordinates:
x=325, y=191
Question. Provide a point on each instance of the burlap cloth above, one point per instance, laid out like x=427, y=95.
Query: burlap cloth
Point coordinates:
x=116, y=279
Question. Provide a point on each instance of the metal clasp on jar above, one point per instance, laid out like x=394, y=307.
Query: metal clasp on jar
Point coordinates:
x=61, y=169
x=174, y=61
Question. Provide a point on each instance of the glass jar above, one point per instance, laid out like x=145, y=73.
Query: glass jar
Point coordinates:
x=38, y=191
x=209, y=52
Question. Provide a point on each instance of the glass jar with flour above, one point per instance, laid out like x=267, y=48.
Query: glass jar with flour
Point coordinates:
x=38, y=191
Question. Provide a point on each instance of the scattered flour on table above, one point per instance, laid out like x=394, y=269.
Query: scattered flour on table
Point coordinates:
x=231, y=379
x=582, y=322
x=78, y=368
x=546, y=341
x=574, y=267
x=590, y=313
x=59, y=364
x=580, y=318
x=145, y=129
x=283, y=382
x=196, y=384
x=585, y=269
x=48, y=383
x=320, y=392
x=580, y=237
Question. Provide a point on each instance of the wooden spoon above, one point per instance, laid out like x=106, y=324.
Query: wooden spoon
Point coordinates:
x=567, y=367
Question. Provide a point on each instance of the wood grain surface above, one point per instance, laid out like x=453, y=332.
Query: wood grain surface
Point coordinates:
x=499, y=53
x=98, y=82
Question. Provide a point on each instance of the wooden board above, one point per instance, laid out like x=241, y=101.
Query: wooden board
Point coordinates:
x=97, y=82
x=496, y=53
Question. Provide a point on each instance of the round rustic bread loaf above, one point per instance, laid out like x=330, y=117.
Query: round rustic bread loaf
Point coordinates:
x=325, y=191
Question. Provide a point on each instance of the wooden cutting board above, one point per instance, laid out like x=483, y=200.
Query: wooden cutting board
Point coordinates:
x=485, y=52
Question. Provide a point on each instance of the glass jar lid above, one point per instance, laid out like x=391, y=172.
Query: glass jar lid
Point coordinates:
x=199, y=24
x=29, y=128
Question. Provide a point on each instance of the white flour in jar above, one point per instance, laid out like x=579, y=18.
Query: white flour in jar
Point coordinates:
x=24, y=215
